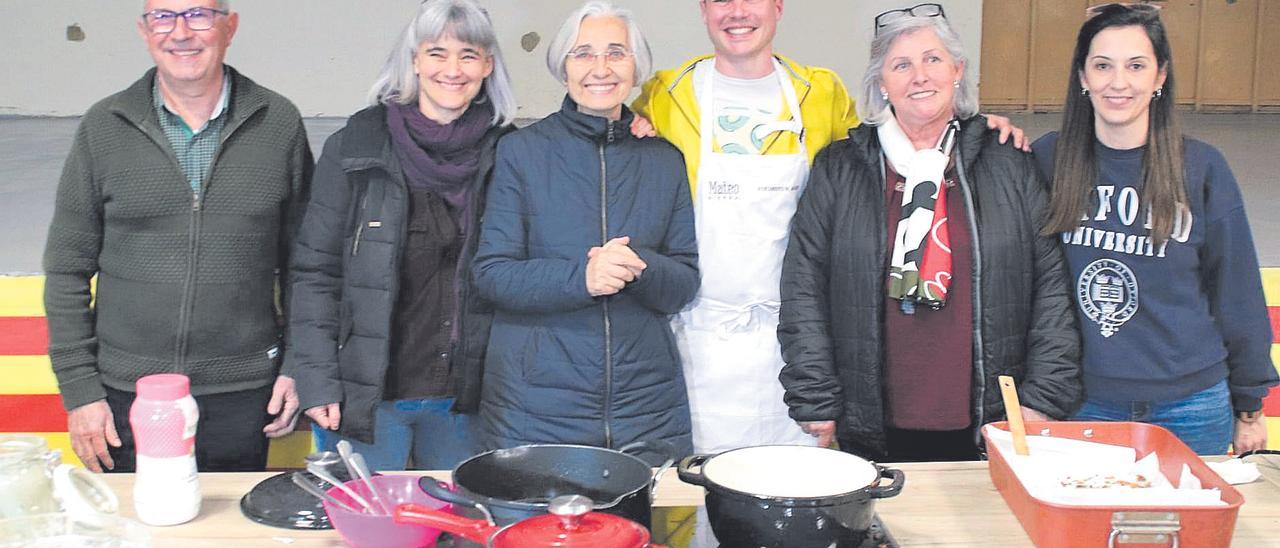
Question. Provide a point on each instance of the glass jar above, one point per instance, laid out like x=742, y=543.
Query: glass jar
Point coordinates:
x=26, y=478
x=34, y=481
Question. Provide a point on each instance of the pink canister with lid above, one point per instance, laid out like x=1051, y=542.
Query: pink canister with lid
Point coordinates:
x=163, y=418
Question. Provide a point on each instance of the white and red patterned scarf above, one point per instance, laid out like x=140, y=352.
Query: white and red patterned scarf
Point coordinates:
x=920, y=263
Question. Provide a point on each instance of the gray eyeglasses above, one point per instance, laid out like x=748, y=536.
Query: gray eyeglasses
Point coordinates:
x=918, y=10
x=163, y=21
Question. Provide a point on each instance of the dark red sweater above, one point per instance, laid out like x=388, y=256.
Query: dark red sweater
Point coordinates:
x=928, y=365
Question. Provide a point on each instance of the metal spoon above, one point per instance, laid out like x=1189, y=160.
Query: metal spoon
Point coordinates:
x=365, y=475
x=344, y=451
x=320, y=472
x=306, y=485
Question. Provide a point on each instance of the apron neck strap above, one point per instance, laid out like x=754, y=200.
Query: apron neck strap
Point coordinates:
x=706, y=87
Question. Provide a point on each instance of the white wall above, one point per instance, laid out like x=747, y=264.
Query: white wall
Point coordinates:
x=323, y=54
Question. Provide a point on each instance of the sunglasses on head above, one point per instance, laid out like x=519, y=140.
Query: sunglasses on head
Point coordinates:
x=918, y=10
x=1093, y=11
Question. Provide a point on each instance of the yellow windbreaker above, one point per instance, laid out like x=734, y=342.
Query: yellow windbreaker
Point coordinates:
x=668, y=101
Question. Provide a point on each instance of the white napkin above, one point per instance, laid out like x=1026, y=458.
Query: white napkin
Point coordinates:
x=1236, y=471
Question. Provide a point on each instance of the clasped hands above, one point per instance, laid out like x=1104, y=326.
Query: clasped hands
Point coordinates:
x=612, y=266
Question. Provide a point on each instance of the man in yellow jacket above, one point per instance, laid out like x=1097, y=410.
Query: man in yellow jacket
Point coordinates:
x=749, y=123
x=748, y=161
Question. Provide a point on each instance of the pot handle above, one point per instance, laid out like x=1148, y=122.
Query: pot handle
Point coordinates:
x=895, y=486
x=686, y=473
x=475, y=530
x=440, y=490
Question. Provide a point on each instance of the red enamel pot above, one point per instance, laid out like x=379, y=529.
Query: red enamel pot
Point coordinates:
x=570, y=524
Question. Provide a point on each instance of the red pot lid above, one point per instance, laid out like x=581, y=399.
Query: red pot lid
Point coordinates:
x=571, y=523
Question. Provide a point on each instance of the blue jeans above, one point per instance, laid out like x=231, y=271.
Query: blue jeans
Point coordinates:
x=1203, y=420
x=437, y=439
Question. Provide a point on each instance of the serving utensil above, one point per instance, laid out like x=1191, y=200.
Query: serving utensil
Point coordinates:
x=322, y=473
x=362, y=471
x=306, y=485
x=1013, y=410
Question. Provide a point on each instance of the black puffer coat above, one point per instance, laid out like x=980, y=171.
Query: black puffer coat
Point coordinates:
x=345, y=275
x=833, y=289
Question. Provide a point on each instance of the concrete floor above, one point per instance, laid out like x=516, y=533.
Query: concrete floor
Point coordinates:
x=32, y=151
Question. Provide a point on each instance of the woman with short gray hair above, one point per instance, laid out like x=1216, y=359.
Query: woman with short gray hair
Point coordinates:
x=387, y=337
x=916, y=273
x=588, y=245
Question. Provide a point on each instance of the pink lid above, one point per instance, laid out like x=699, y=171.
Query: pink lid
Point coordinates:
x=168, y=386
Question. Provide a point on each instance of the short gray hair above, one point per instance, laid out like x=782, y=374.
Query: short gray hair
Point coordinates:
x=871, y=105
x=224, y=5
x=465, y=21
x=559, y=48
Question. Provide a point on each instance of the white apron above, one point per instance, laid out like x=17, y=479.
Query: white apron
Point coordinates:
x=727, y=336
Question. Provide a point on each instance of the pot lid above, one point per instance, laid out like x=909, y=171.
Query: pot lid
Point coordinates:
x=790, y=471
x=277, y=502
x=571, y=523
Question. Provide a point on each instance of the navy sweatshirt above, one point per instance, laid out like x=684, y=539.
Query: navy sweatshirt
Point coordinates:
x=1163, y=322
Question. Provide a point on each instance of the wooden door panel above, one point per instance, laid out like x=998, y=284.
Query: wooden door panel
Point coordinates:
x=1182, y=25
x=1228, y=29
x=1005, y=28
x=1055, y=26
x=1269, y=54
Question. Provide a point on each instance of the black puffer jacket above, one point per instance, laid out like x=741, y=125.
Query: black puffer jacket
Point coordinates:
x=345, y=275
x=833, y=281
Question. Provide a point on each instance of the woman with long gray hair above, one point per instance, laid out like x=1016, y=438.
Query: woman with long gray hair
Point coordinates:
x=916, y=273
x=386, y=335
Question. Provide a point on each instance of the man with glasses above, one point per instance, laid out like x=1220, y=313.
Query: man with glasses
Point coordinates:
x=181, y=196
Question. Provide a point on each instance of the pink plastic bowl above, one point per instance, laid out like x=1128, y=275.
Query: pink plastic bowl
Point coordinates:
x=372, y=531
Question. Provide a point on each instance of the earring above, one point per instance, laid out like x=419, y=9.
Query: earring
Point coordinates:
x=955, y=84
x=884, y=95
x=1159, y=92
x=1084, y=91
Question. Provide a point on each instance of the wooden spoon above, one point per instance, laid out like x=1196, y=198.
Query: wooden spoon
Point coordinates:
x=1014, y=411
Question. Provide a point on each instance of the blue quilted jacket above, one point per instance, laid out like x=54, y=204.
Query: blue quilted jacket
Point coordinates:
x=563, y=366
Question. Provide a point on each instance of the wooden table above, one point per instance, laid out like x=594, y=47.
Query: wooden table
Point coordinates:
x=943, y=504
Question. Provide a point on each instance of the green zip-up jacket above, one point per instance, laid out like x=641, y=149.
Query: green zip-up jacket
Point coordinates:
x=186, y=283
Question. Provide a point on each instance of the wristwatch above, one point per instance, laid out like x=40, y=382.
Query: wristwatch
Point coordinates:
x=1248, y=416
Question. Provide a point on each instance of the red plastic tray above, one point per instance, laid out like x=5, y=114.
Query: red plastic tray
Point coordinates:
x=1054, y=525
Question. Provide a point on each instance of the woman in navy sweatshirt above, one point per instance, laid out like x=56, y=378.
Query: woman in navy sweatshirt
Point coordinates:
x=1153, y=226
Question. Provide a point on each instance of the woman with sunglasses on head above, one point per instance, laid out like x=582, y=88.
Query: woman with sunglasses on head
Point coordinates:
x=916, y=273
x=386, y=334
x=1163, y=267
x=587, y=247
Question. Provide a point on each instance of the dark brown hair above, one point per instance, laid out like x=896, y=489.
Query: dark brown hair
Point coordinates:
x=1075, y=168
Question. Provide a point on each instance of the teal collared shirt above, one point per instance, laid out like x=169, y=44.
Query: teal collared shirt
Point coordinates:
x=195, y=148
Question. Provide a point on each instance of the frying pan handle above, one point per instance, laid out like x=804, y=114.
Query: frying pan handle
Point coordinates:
x=686, y=466
x=475, y=530
x=658, y=447
x=440, y=491
x=653, y=483
x=895, y=486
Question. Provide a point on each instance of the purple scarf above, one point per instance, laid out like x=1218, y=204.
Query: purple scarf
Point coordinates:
x=441, y=158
